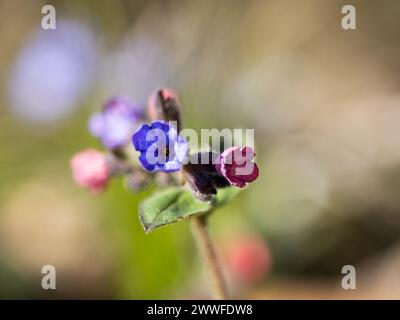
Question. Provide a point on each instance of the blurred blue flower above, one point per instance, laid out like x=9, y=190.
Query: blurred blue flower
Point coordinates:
x=160, y=147
x=52, y=72
x=116, y=123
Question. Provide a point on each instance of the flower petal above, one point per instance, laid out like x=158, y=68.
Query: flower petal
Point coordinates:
x=118, y=130
x=248, y=153
x=252, y=176
x=139, y=138
x=145, y=164
x=181, y=148
x=159, y=124
x=171, y=166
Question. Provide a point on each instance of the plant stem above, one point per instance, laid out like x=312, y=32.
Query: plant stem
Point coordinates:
x=208, y=255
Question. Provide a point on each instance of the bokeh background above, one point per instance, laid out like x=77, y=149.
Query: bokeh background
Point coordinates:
x=325, y=106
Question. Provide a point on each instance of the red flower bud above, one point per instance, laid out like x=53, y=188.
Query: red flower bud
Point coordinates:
x=236, y=165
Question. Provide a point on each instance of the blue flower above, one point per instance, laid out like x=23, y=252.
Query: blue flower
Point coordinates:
x=116, y=123
x=53, y=72
x=160, y=147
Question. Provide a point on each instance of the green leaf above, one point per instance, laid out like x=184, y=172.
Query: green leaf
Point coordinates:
x=169, y=206
x=173, y=204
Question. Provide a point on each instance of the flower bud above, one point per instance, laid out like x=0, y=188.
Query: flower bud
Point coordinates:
x=202, y=176
x=203, y=187
x=163, y=104
x=237, y=166
x=90, y=169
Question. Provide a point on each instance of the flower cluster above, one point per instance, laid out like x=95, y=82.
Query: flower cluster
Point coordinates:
x=122, y=126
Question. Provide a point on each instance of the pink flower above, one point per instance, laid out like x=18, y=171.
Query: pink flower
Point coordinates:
x=236, y=165
x=90, y=169
x=248, y=258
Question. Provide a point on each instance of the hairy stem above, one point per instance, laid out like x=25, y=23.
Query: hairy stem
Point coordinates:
x=208, y=255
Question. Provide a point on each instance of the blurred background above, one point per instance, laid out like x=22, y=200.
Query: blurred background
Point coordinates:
x=325, y=106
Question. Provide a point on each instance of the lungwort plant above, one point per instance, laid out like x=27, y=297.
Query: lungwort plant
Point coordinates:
x=147, y=146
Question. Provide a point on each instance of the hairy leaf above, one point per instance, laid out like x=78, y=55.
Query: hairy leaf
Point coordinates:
x=173, y=204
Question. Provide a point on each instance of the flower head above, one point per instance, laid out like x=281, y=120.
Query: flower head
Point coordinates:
x=90, y=169
x=236, y=165
x=160, y=147
x=116, y=123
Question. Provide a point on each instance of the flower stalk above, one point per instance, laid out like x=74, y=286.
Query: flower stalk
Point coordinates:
x=208, y=255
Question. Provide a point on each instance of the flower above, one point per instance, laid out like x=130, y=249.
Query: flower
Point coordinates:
x=90, y=169
x=68, y=56
x=236, y=165
x=116, y=123
x=248, y=258
x=160, y=147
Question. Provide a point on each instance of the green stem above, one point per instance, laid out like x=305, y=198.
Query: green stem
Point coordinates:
x=209, y=256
